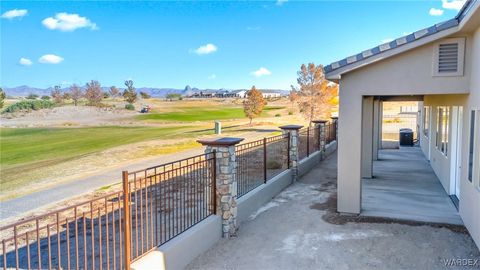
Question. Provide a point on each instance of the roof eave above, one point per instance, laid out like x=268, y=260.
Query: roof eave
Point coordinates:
x=336, y=74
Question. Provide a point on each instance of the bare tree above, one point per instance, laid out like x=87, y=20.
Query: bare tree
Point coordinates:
x=130, y=95
x=254, y=104
x=57, y=94
x=114, y=92
x=315, y=95
x=2, y=97
x=76, y=93
x=94, y=93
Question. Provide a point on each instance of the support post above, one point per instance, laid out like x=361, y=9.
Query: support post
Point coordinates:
x=264, y=160
x=308, y=141
x=126, y=220
x=292, y=130
x=226, y=182
x=335, y=124
x=321, y=129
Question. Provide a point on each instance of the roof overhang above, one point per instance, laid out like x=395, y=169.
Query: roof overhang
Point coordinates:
x=468, y=17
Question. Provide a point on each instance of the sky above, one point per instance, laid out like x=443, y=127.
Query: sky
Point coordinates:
x=204, y=44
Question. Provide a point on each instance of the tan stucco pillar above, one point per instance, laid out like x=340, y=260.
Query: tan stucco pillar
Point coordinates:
x=349, y=152
x=367, y=137
x=380, y=125
x=376, y=127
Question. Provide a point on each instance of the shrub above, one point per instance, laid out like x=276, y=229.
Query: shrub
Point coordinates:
x=290, y=113
x=273, y=165
x=130, y=107
x=32, y=96
x=45, y=97
x=277, y=115
x=28, y=105
x=145, y=95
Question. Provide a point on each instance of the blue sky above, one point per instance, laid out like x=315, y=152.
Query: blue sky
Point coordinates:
x=204, y=44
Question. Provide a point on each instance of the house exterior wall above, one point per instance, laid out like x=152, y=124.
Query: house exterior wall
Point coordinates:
x=440, y=162
x=410, y=73
x=470, y=194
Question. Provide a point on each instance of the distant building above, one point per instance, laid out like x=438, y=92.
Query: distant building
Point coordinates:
x=270, y=94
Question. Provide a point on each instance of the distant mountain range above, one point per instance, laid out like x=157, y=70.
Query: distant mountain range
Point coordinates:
x=25, y=90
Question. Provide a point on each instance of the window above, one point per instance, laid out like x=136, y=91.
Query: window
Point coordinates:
x=443, y=123
x=449, y=57
x=471, y=146
x=426, y=120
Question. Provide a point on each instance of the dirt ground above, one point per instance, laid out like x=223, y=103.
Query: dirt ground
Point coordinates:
x=300, y=229
x=68, y=116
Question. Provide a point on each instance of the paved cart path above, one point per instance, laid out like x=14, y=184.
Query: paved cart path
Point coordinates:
x=20, y=206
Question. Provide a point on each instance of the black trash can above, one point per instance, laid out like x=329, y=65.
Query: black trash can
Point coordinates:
x=406, y=137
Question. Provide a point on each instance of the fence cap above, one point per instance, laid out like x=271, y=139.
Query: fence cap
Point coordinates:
x=319, y=121
x=225, y=141
x=291, y=127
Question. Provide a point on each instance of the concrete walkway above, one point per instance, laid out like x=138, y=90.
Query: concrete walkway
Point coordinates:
x=300, y=229
x=405, y=187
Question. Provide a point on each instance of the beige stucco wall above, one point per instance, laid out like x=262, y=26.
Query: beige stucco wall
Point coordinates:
x=470, y=195
x=439, y=162
x=409, y=73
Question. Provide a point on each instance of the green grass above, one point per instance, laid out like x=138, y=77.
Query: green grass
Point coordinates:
x=28, y=145
x=192, y=114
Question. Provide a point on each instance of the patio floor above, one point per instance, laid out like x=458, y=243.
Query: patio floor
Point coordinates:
x=300, y=229
x=405, y=187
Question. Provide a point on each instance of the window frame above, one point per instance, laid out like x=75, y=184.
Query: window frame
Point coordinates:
x=473, y=173
x=426, y=121
x=443, y=129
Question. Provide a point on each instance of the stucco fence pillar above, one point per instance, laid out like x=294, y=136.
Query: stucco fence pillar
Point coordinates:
x=320, y=129
x=294, y=140
x=226, y=182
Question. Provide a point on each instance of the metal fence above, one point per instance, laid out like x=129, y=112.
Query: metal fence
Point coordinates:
x=155, y=205
x=164, y=201
x=167, y=200
x=260, y=161
x=88, y=235
x=308, y=142
x=330, y=132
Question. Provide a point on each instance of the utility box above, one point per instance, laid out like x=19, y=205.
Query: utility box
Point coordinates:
x=218, y=127
x=406, y=137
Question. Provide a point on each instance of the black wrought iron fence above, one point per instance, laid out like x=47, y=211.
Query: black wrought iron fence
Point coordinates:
x=261, y=160
x=330, y=132
x=308, y=142
x=101, y=233
x=167, y=200
x=87, y=235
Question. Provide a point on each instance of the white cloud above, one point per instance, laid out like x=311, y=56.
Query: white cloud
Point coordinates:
x=25, y=62
x=280, y=2
x=387, y=40
x=435, y=12
x=205, y=49
x=14, y=13
x=261, y=72
x=50, y=59
x=453, y=4
x=212, y=77
x=68, y=22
